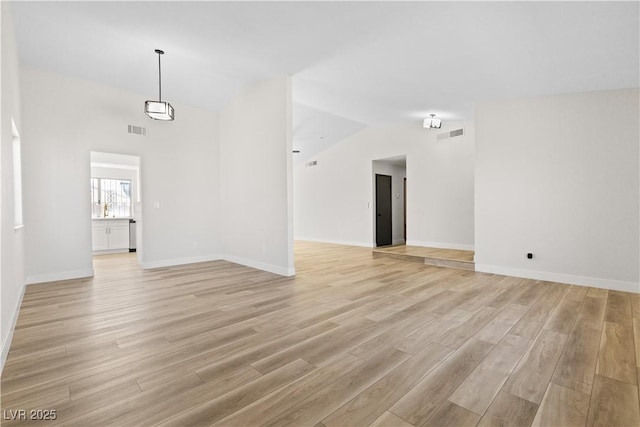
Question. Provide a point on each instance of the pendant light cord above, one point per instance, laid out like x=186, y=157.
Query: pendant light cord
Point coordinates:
x=159, y=79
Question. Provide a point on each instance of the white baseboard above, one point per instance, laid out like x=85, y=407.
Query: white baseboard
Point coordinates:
x=336, y=242
x=205, y=258
x=6, y=345
x=179, y=261
x=616, y=285
x=441, y=245
x=56, y=277
x=276, y=269
x=111, y=251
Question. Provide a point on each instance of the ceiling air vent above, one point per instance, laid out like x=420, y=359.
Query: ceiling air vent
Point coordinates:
x=313, y=163
x=138, y=130
x=450, y=134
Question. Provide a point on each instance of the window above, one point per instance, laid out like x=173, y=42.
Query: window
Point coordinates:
x=17, y=177
x=110, y=197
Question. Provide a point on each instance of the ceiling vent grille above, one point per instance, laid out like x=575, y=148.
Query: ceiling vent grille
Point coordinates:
x=450, y=134
x=313, y=163
x=138, y=130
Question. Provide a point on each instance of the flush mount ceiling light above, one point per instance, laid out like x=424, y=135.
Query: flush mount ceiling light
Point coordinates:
x=159, y=110
x=432, y=122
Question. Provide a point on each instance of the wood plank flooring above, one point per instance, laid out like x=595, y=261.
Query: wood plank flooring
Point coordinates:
x=352, y=340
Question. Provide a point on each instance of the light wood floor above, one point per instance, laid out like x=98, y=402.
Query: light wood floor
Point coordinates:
x=351, y=341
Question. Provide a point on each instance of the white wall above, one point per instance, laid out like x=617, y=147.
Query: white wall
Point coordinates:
x=397, y=174
x=334, y=199
x=558, y=176
x=12, y=247
x=440, y=175
x=179, y=173
x=255, y=148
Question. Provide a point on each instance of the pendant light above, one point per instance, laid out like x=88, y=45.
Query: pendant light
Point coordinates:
x=431, y=122
x=159, y=110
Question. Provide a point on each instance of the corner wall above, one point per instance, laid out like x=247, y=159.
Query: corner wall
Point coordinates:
x=255, y=177
x=558, y=176
x=12, y=273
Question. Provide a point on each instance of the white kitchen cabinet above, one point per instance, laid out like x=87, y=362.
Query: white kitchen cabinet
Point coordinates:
x=110, y=234
x=99, y=235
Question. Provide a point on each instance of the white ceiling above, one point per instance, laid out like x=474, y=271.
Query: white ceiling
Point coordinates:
x=353, y=63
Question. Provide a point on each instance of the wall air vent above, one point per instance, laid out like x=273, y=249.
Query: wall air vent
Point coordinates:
x=313, y=163
x=138, y=130
x=450, y=134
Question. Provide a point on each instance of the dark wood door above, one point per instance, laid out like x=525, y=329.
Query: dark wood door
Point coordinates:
x=404, y=209
x=383, y=210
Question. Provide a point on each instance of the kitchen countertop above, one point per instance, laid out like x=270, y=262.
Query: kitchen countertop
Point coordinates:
x=112, y=218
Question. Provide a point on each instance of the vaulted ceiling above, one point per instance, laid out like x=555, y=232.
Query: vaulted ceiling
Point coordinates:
x=353, y=63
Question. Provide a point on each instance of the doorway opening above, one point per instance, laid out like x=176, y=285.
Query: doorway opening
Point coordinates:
x=389, y=195
x=116, y=215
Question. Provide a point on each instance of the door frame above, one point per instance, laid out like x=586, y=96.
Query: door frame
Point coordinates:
x=396, y=167
x=131, y=162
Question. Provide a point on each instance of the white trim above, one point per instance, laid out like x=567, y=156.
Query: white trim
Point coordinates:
x=336, y=242
x=115, y=165
x=6, y=345
x=282, y=271
x=440, y=245
x=179, y=261
x=56, y=277
x=111, y=251
x=616, y=285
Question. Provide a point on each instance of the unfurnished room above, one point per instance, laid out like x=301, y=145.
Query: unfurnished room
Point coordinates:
x=320, y=213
